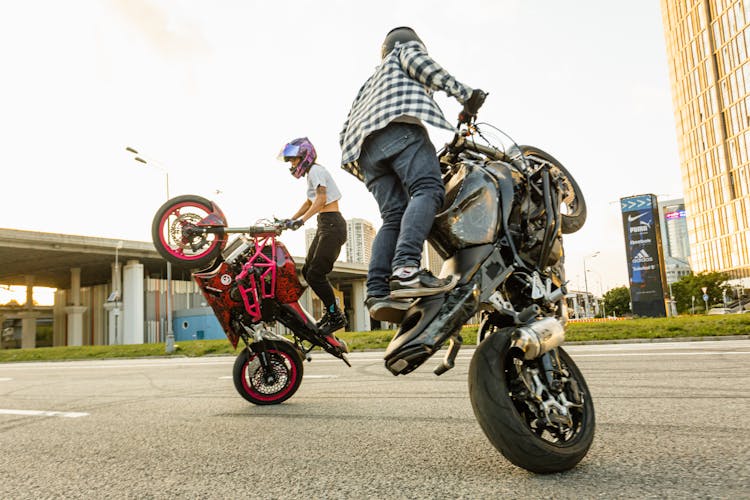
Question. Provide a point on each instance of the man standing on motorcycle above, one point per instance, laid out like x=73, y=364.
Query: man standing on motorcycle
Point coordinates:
x=322, y=199
x=385, y=145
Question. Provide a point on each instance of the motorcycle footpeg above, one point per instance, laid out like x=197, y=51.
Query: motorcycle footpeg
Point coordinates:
x=345, y=359
x=449, y=361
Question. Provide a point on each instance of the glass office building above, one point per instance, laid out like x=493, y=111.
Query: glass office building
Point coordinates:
x=708, y=49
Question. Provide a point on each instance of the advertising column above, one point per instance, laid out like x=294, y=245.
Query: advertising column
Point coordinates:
x=643, y=247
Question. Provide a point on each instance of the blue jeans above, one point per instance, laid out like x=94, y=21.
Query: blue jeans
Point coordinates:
x=402, y=172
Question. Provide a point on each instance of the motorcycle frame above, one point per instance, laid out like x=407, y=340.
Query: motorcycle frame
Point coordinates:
x=264, y=287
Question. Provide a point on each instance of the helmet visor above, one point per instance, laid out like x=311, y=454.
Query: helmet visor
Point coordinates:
x=290, y=151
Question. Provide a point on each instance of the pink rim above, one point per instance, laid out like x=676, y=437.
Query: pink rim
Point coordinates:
x=279, y=395
x=178, y=253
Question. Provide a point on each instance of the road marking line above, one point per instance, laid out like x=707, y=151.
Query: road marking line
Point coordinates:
x=5, y=379
x=42, y=413
x=615, y=354
x=305, y=376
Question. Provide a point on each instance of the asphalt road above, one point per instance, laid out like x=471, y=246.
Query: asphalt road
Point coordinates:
x=672, y=422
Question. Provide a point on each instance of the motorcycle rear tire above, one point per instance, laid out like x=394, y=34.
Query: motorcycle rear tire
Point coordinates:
x=287, y=365
x=174, y=247
x=501, y=422
x=573, y=221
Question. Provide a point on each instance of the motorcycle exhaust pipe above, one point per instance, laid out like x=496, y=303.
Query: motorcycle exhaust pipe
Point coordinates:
x=531, y=341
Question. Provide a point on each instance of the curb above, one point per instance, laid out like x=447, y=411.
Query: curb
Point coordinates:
x=656, y=340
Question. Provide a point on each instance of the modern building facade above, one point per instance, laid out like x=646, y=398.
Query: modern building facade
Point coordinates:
x=431, y=260
x=674, y=231
x=359, y=236
x=674, y=237
x=708, y=49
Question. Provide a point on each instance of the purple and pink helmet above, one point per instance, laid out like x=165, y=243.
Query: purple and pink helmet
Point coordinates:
x=299, y=148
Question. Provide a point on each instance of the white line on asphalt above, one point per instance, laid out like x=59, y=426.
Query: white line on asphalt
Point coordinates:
x=305, y=376
x=618, y=354
x=79, y=365
x=5, y=379
x=41, y=413
x=468, y=351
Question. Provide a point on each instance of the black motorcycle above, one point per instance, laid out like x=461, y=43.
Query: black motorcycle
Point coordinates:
x=500, y=231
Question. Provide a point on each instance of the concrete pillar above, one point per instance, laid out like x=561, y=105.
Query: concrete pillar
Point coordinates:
x=59, y=321
x=28, y=329
x=132, y=303
x=28, y=321
x=75, y=324
x=75, y=286
x=75, y=310
x=361, y=318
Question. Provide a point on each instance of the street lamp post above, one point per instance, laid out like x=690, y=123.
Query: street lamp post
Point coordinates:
x=169, y=347
x=672, y=305
x=116, y=310
x=586, y=281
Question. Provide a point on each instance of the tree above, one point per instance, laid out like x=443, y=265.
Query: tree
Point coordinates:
x=692, y=286
x=617, y=300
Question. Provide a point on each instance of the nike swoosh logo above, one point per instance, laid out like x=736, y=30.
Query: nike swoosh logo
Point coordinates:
x=632, y=218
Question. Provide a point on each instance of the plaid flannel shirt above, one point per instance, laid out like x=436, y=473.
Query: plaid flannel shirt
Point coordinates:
x=401, y=86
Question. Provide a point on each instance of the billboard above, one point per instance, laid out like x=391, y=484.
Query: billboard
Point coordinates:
x=643, y=247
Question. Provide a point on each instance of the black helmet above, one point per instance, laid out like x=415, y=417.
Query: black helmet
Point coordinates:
x=402, y=34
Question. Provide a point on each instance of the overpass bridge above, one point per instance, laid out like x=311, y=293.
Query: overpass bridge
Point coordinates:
x=85, y=270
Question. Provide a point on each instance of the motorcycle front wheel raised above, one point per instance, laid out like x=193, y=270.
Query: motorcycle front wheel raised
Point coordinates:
x=521, y=416
x=573, y=207
x=178, y=238
x=269, y=387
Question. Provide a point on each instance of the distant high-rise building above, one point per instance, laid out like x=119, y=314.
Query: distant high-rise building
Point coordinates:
x=431, y=260
x=674, y=231
x=708, y=49
x=359, y=236
x=674, y=238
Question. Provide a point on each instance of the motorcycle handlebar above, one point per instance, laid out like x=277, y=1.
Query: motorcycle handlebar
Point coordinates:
x=459, y=143
x=255, y=230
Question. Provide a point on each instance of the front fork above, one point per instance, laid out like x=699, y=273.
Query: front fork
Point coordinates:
x=258, y=345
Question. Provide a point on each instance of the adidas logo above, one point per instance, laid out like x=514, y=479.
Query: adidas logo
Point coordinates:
x=642, y=256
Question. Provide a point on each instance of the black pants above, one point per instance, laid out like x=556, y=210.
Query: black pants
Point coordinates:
x=323, y=252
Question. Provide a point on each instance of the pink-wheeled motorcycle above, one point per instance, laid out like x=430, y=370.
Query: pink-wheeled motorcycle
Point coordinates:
x=250, y=283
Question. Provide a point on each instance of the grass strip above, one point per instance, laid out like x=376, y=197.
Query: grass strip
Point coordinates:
x=643, y=328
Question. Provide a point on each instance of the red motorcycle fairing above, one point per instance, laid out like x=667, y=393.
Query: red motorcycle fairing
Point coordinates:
x=217, y=283
x=288, y=288
x=215, y=286
x=215, y=219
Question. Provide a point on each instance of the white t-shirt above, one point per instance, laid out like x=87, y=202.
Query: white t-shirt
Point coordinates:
x=319, y=176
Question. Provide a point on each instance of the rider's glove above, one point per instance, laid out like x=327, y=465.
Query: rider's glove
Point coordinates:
x=472, y=105
x=293, y=224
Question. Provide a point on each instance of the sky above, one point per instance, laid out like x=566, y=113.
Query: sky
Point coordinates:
x=209, y=92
